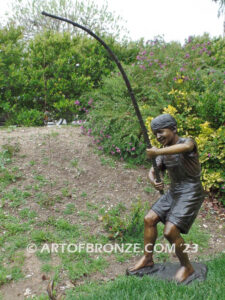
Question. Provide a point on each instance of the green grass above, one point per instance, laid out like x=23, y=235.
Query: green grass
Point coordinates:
x=41, y=297
x=32, y=163
x=67, y=230
x=83, y=194
x=139, y=179
x=46, y=200
x=54, y=134
x=26, y=213
x=91, y=206
x=70, y=209
x=65, y=192
x=7, y=175
x=40, y=178
x=131, y=287
x=9, y=273
x=42, y=236
x=84, y=214
x=15, y=197
x=148, y=189
x=74, y=162
x=198, y=236
x=45, y=161
x=46, y=268
x=80, y=264
x=108, y=161
x=44, y=254
x=123, y=257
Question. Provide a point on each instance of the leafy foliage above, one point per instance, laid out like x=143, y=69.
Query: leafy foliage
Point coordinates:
x=48, y=76
x=57, y=76
x=11, y=69
x=186, y=81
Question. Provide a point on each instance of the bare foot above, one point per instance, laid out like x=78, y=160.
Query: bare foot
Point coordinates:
x=143, y=262
x=183, y=273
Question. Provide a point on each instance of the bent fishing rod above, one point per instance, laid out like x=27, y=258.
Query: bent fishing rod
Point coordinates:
x=127, y=82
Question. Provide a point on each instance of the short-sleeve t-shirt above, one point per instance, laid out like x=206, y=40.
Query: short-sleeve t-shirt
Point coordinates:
x=182, y=201
x=182, y=166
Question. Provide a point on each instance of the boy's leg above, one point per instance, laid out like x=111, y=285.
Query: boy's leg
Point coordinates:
x=150, y=235
x=172, y=233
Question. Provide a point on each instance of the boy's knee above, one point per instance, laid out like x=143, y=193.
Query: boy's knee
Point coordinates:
x=151, y=218
x=148, y=220
x=170, y=231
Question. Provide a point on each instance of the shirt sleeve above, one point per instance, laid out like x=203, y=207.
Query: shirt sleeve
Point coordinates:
x=194, y=151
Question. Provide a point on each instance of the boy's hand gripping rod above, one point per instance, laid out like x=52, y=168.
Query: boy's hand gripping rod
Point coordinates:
x=131, y=93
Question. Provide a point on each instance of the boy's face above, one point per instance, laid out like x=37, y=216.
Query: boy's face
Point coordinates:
x=165, y=136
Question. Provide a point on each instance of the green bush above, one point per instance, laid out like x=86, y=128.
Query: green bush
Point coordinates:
x=52, y=71
x=11, y=69
x=167, y=77
x=25, y=117
x=113, y=124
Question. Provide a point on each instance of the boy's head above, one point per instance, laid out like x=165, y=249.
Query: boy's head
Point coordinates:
x=164, y=128
x=164, y=121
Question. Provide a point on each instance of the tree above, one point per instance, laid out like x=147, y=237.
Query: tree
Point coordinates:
x=222, y=6
x=221, y=12
x=27, y=13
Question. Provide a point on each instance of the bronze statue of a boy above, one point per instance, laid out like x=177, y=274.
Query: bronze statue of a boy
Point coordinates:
x=178, y=208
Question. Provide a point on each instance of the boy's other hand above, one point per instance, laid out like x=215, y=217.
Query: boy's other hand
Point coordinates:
x=159, y=186
x=152, y=152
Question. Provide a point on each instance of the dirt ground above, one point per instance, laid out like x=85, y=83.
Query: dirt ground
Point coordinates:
x=101, y=182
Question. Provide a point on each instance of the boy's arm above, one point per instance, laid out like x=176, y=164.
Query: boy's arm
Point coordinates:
x=157, y=185
x=174, y=149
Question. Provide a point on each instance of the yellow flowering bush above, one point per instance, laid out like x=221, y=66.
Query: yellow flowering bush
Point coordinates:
x=211, y=179
x=152, y=137
x=210, y=145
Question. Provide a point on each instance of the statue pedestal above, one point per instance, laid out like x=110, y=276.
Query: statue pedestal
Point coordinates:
x=167, y=271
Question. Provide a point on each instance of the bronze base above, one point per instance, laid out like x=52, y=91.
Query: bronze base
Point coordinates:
x=167, y=271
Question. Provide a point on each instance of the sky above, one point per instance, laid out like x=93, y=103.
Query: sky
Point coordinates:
x=172, y=19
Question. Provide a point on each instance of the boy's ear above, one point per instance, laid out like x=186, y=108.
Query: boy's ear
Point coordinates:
x=175, y=129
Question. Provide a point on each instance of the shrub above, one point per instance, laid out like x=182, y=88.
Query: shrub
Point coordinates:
x=53, y=71
x=186, y=81
x=25, y=117
x=11, y=70
x=113, y=124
